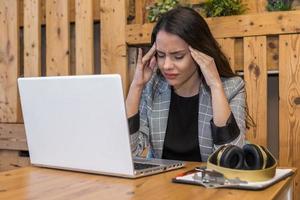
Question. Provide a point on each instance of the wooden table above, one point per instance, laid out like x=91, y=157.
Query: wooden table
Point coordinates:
x=41, y=183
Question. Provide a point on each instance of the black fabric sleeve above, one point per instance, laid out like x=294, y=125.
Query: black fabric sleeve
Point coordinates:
x=225, y=134
x=134, y=123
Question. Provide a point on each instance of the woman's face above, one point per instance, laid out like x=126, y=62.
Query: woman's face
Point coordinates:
x=174, y=59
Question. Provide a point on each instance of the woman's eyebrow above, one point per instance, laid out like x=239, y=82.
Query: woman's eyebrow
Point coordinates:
x=174, y=52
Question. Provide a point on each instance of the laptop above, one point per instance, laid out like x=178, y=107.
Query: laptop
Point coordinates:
x=79, y=123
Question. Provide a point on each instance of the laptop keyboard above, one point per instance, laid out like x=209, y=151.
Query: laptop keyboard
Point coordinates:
x=139, y=166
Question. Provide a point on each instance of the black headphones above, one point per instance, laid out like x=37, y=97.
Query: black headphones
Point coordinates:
x=250, y=163
x=250, y=157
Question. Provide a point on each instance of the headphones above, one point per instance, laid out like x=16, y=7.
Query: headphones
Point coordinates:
x=251, y=163
x=250, y=157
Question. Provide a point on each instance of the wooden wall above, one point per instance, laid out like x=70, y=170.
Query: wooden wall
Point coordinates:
x=255, y=45
x=53, y=37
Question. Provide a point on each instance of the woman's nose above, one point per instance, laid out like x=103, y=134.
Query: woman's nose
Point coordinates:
x=168, y=64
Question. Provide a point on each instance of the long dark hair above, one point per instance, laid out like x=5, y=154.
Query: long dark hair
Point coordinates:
x=192, y=28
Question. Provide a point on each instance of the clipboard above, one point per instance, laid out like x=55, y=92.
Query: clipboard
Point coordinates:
x=194, y=177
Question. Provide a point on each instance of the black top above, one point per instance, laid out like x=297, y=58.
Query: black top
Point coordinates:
x=183, y=123
x=181, y=140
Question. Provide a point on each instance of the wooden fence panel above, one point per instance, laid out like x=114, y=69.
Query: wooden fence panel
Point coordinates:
x=84, y=37
x=113, y=45
x=96, y=11
x=255, y=69
x=32, y=38
x=9, y=61
x=289, y=104
x=58, y=40
x=228, y=48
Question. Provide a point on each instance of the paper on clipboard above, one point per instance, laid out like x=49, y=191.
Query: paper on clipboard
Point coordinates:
x=190, y=179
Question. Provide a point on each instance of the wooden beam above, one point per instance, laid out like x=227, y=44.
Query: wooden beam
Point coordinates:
x=9, y=61
x=32, y=38
x=268, y=23
x=113, y=45
x=12, y=136
x=255, y=69
x=227, y=46
x=58, y=40
x=289, y=104
x=139, y=33
x=84, y=37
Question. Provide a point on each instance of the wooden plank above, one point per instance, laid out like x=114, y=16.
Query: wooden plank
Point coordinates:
x=32, y=38
x=227, y=47
x=113, y=45
x=12, y=160
x=58, y=40
x=255, y=75
x=96, y=11
x=9, y=61
x=289, y=104
x=84, y=37
x=139, y=11
x=272, y=53
x=268, y=23
x=139, y=33
x=12, y=136
x=256, y=6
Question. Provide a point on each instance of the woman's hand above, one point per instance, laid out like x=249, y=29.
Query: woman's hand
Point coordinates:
x=207, y=67
x=143, y=72
x=145, y=67
x=220, y=104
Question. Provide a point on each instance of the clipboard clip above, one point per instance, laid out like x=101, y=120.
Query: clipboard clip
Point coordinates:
x=212, y=178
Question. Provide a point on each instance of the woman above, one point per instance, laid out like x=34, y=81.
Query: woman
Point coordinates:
x=184, y=100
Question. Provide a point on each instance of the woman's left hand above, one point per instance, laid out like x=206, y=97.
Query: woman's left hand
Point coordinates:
x=207, y=67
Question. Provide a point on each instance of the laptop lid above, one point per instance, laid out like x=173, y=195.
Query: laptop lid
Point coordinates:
x=77, y=123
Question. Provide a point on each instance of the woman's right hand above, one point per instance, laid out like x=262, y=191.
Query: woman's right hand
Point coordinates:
x=145, y=67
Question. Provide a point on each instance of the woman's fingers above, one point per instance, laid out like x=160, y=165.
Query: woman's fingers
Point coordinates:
x=152, y=63
x=149, y=54
x=196, y=56
x=200, y=58
x=140, y=56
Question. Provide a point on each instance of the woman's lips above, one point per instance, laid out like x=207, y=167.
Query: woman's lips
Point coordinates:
x=170, y=75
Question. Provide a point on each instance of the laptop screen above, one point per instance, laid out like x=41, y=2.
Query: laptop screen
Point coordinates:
x=77, y=122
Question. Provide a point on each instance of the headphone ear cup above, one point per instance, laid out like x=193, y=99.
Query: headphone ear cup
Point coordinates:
x=231, y=157
x=254, y=157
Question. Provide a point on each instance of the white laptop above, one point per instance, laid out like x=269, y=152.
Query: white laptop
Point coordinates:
x=79, y=123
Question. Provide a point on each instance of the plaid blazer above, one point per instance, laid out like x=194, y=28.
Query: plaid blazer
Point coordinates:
x=154, y=110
